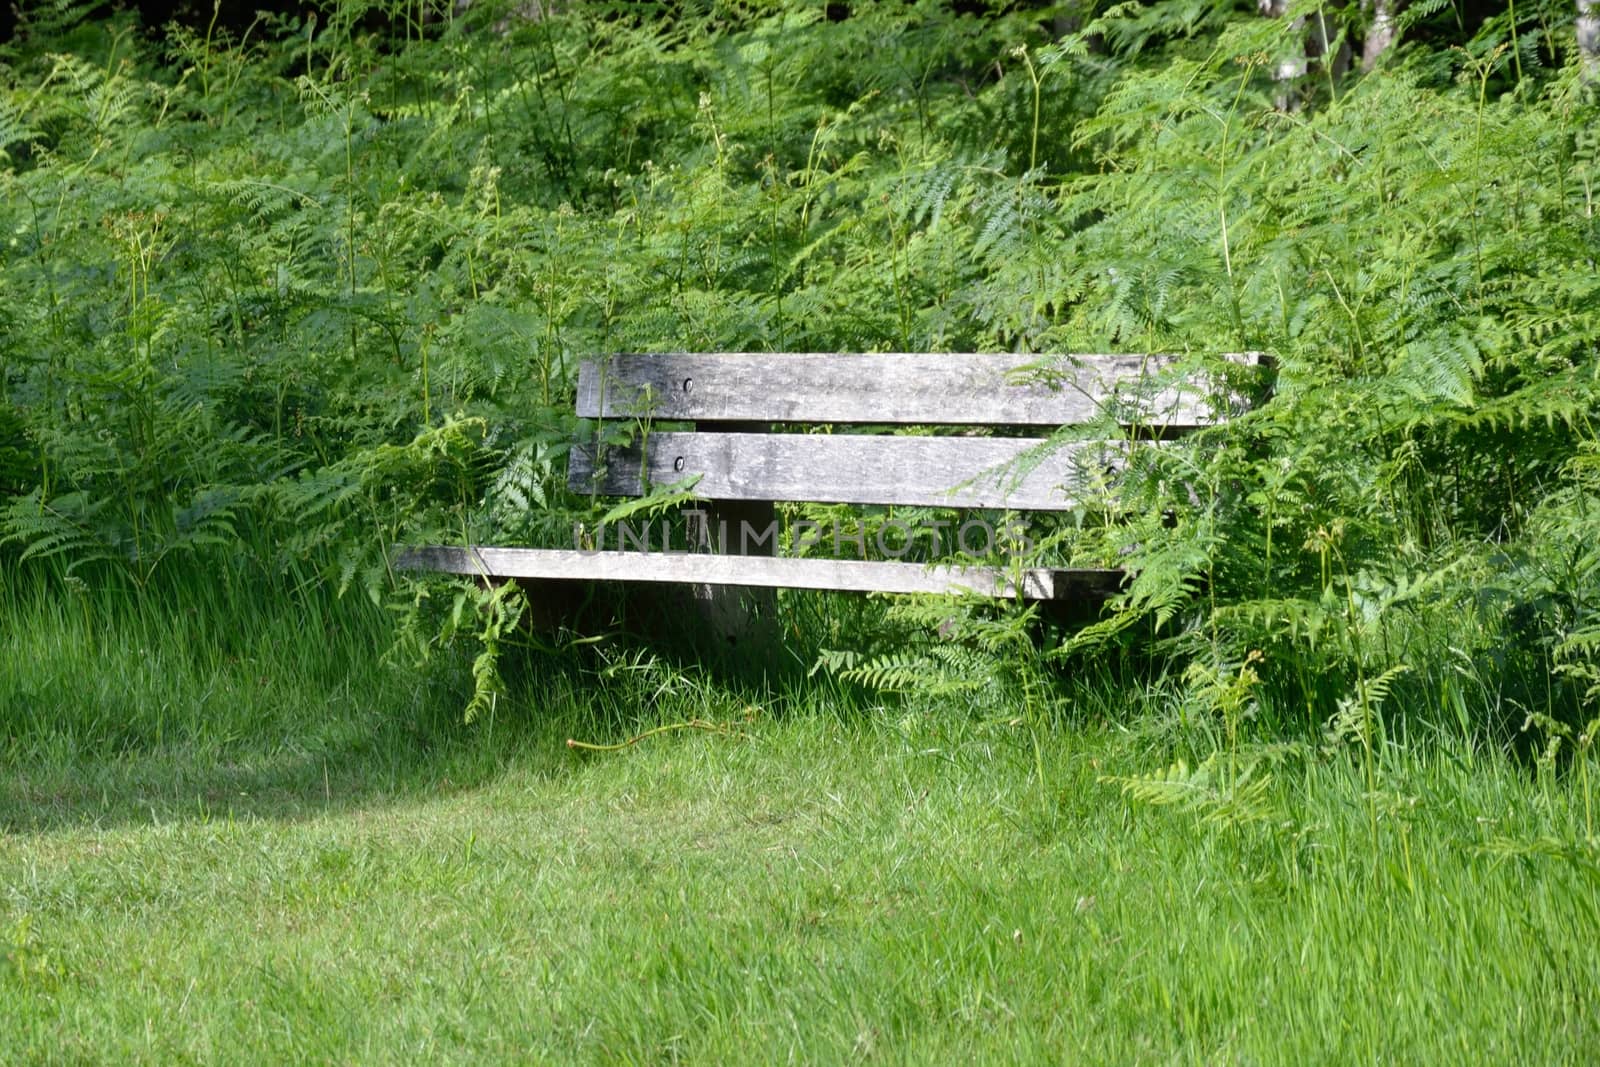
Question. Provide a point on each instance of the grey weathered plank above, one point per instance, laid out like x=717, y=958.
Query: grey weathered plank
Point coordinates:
x=1038, y=583
x=970, y=472
x=904, y=388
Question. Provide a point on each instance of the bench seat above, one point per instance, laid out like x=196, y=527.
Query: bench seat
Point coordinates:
x=769, y=572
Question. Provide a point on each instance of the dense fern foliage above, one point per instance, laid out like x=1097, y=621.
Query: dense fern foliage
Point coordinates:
x=276, y=300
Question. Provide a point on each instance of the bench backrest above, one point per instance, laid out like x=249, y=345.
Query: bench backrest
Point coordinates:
x=734, y=398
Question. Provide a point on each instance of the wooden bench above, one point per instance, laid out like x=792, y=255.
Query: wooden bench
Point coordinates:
x=759, y=429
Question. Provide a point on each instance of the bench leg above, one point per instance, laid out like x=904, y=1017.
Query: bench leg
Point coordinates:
x=735, y=616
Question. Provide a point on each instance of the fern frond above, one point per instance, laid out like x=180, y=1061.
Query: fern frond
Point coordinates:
x=1206, y=790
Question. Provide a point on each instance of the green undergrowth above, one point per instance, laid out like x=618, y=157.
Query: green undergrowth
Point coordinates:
x=298, y=294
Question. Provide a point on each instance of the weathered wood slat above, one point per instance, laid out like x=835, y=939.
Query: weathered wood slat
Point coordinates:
x=968, y=472
x=900, y=388
x=850, y=575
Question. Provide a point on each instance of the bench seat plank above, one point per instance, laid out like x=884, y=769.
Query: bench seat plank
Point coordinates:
x=849, y=575
x=964, y=472
x=1004, y=389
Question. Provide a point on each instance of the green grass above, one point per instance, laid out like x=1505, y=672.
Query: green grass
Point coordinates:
x=224, y=843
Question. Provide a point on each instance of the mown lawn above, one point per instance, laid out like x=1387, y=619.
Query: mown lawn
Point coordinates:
x=358, y=882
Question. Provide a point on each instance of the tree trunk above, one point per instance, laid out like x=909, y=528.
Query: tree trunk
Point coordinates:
x=1380, y=35
x=1292, y=67
x=1589, y=38
x=532, y=11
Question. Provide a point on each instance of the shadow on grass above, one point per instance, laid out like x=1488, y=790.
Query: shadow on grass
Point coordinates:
x=405, y=740
x=375, y=759
x=259, y=704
